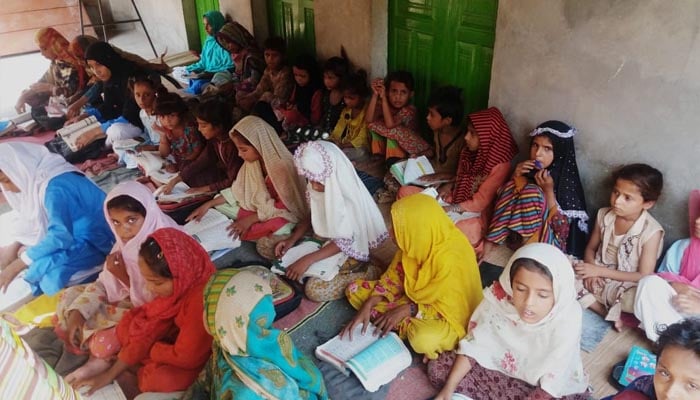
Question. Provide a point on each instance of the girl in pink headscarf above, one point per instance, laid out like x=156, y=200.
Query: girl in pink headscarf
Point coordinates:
x=674, y=293
x=87, y=314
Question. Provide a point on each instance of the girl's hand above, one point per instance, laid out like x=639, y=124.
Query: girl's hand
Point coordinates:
x=95, y=382
x=115, y=264
x=298, y=268
x=681, y=288
x=9, y=273
x=585, y=270
x=592, y=284
x=391, y=319
x=240, y=226
x=282, y=247
x=444, y=395
x=199, y=212
x=687, y=303
x=172, y=168
x=544, y=180
x=20, y=106
x=168, y=187
x=523, y=168
x=73, y=111
x=200, y=189
x=74, y=327
x=362, y=317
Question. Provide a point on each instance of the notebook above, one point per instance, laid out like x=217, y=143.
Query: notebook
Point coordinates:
x=25, y=376
x=640, y=362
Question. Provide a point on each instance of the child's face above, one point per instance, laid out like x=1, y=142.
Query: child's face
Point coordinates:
x=626, y=200
x=353, y=100
x=542, y=150
x=247, y=152
x=435, y=119
x=229, y=46
x=101, y=72
x=273, y=58
x=471, y=138
x=330, y=80
x=301, y=76
x=144, y=95
x=207, y=26
x=7, y=185
x=126, y=223
x=533, y=295
x=208, y=130
x=169, y=121
x=677, y=374
x=317, y=186
x=399, y=94
x=156, y=284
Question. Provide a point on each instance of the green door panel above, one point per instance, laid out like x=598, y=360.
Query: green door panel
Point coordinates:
x=203, y=7
x=294, y=21
x=444, y=42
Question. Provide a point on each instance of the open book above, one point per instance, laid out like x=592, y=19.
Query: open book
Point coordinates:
x=211, y=231
x=375, y=360
x=325, y=269
x=179, y=194
x=27, y=376
x=409, y=172
x=640, y=362
x=72, y=132
x=153, y=166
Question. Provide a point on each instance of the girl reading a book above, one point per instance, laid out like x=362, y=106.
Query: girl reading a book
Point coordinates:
x=55, y=233
x=483, y=166
x=431, y=287
x=677, y=374
x=66, y=76
x=674, y=292
x=213, y=58
x=544, y=200
x=342, y=213
x=87, y=314
x=217, y=165
x=267, y=198
x=524, y=338
x=250, y=358
x=180, y=140
x=165, y=337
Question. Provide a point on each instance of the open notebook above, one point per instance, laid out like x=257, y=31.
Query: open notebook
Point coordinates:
x=25, y=376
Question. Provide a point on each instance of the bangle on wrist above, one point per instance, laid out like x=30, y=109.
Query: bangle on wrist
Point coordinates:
x=414, y=309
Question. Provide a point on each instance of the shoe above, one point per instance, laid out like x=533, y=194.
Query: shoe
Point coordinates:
x=7, y=127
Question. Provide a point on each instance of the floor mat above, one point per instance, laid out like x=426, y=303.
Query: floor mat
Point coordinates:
x=39, y=138
x=109, y=179
x=594, y=330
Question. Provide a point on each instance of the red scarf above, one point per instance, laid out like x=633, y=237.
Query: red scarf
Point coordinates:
x=496, y=146
x=190, y=266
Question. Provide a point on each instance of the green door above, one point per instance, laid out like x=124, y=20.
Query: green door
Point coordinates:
x=294, y=21
x=203, y=7
x=444, y=42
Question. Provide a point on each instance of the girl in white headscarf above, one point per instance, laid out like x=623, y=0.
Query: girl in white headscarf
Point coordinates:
x=56, y=216
x=343, y=212
x=524, y=338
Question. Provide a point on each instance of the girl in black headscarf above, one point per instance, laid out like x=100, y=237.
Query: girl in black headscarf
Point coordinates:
x=544, y=201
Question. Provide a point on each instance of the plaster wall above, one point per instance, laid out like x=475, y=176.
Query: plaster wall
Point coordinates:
x=626, y=73
x=346, y=23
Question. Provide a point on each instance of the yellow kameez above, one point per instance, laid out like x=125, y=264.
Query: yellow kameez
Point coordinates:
x=435, y=268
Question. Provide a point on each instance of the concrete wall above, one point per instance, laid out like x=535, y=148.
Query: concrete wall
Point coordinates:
x=164, y=19
x=346, y=23
x=626, y=73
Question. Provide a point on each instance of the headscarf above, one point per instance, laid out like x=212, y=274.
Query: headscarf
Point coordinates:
x=238, y=313
x=439, y=263
x=249, y=188
x=496, y=146
x=80, y=44
x=545, y=354
x=105, y=54
x=57, y=48
x=154, y=219
x=564, y=171
x=236, y=33
x=216, y=20
x=303, y=95
x=31, y=167
x=689, y=272
x=189, y=265
x=345, y=211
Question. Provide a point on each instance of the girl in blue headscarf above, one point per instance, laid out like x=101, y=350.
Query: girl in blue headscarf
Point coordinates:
x=213, y=57
x=251, y=359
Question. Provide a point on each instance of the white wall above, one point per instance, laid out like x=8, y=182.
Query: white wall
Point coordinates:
x=626, y=73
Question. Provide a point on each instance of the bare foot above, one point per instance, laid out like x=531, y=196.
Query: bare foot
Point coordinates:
x=92, y=367
x=619, y=325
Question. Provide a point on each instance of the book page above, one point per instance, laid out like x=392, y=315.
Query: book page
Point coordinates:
x=325, y=269
x=77, y=126
x=178, y=194
x=417, y=167
x=380, y=362
x=109, y=392
x=337, y=351
x=398, y=170
x=210, y=220
x=216, y=239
